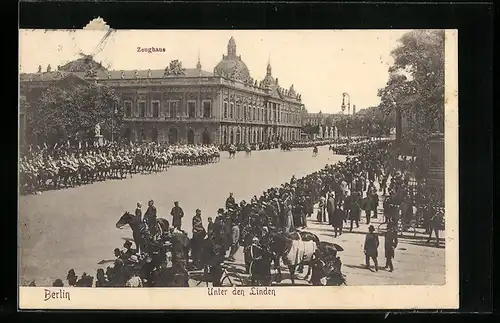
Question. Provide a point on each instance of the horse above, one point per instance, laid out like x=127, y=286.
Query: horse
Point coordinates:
x=293, y=252
x=315, y=151
x=248, y=150
x=304, y=236
x=138, y=230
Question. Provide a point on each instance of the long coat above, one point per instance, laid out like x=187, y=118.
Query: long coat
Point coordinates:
x=288, y=225
x=371, y=245
x=330, y=208
x=177, y=214
x=355, y=213
x=338, y=217
x=150, y=218
x=390, y=243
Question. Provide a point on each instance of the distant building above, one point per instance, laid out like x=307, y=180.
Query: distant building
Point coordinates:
x=190, y=105
x=317, y=119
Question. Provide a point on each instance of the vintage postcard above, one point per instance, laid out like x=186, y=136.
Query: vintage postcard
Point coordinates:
x=231, y=169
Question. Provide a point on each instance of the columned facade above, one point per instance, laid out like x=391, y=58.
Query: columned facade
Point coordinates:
x=192, y=106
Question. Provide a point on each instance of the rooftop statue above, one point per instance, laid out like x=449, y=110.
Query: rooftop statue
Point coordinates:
x=90, y=73
x=175, y=68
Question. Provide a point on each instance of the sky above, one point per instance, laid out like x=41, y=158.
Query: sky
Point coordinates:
x=321, y=64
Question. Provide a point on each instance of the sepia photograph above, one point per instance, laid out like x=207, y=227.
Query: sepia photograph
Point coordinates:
x=239, y=164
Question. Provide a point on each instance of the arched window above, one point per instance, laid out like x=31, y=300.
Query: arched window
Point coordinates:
x=205, y=137
x=127, y=134
x=190, y=137
x=224, y=136
x=142, y=135
x=142, y=109
x=238, y=136
x=172, y=136
x=154, y=134
x=128, y=108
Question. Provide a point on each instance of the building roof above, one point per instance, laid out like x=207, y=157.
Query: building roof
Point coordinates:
x=141, y=74
x=231, y=67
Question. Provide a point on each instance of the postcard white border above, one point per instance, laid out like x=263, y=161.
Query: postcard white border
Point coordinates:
x=347, y=297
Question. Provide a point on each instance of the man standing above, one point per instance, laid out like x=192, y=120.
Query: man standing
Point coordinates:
x=198, y=236
x=372, y=191
x=391, y=242
x=338, y=218
x=371, y=247
x=435, y=224
x=230, y=201
x=279, y=212
x=355, y=211
x=210, y=228
x=288, y=217
x=136, y=223
x=150, y=217
x=177, y=214
x=367, y=207
x=235, y=240
x=330, y=207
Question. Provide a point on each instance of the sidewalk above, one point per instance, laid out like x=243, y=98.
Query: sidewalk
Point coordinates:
x=416, y=262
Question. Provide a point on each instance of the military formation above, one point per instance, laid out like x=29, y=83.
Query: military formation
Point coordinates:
x=66, y=166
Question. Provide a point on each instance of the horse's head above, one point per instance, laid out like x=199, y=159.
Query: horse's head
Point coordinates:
x=125, y=219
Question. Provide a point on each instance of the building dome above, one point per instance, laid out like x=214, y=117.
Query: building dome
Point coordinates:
x=231, y=65
x=269, y=80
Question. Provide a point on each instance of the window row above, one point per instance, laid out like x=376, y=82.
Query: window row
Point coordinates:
x=171, y=109
x=257, y=114
x=244, y=112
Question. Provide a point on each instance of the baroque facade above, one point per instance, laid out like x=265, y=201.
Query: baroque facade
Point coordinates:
x=191, y=105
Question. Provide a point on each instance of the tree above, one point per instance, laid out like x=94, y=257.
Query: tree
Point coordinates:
x=310, y=129
x=329, y=122
x=62, y=113
x=415, y=89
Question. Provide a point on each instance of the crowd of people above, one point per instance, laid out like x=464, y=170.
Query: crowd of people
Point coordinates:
x=339, y=194
x=64, y=165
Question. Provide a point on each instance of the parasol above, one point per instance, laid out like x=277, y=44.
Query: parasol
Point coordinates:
x=329, y=247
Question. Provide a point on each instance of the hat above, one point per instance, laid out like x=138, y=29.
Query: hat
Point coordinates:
x=371, y=228
x=133, y=258
x=255, y=239
x=220, y=211
x=71, y=273
x=198, y=211
x=58, y=283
